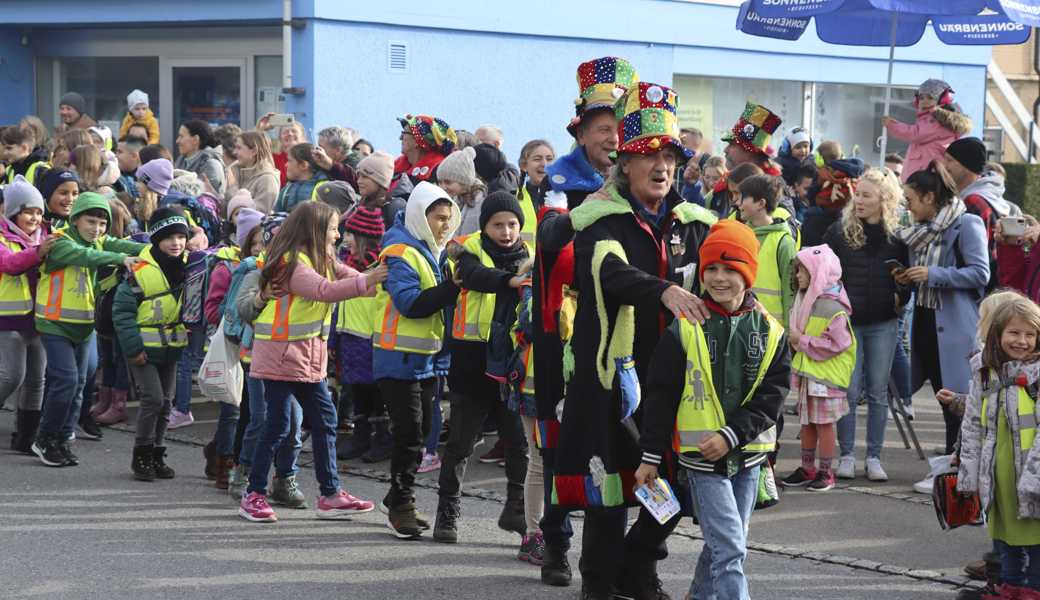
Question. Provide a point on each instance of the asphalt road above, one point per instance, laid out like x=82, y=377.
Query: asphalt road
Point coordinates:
x=93, y=532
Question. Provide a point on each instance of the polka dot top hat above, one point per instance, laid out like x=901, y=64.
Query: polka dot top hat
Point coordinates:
x=647, y=121
x=600, y=83
x=754, y=130
x=430, y=133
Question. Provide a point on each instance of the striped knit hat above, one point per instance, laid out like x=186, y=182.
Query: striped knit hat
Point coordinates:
x=367, y=222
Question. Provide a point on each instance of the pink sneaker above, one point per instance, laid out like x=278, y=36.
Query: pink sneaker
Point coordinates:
x=342, y=504
x=430, y=462
x=179, y=419
x=254, y=507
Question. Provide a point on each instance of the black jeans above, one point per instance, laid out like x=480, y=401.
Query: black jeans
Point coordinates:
x=926, y=350
x=606, y=551
x=243, y=415
x=409, y=406
x=468, y=412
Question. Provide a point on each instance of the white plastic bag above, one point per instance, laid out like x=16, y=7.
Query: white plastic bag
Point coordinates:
x=221, y=375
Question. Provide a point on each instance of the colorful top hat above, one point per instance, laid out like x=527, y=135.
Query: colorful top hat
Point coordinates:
x=647, y=121
x=754, y=131
x=430, y=133
x=601, y=82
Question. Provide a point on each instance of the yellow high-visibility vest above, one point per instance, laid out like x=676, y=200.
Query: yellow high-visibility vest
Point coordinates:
x=1026, y=417
x=700, y=411
x=15, y=296
x=159, y=313
x=768, y=286
x=836, y=371
x=474, y=310
x=291, y=317
x=527, y=232
x=396, y=332
x=67, y=294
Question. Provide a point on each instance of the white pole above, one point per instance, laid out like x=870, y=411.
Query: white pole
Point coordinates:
x=888, y=87
x=287, y=76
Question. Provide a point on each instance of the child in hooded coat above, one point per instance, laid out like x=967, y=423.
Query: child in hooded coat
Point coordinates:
x=825, y=356
x=939, y=122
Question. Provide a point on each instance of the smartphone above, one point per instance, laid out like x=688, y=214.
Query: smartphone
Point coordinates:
x=1013, y=226
x=894, y=265
x=281, y=119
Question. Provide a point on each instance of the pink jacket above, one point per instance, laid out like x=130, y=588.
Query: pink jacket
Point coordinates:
x=18, y=262
x=825, y=283
x=307, y=360
x=928, y=136
x=219, y=282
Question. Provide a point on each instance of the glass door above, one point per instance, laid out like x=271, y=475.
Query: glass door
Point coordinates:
x=206, y=89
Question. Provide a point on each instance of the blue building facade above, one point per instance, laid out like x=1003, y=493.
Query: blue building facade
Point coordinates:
x=470, y=62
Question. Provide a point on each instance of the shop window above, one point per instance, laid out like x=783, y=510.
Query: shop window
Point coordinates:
x=104, y=83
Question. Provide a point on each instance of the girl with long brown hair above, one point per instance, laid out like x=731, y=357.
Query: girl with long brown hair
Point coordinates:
x=298, y=283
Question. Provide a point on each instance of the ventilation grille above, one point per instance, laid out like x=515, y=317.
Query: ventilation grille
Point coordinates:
x=397, y=57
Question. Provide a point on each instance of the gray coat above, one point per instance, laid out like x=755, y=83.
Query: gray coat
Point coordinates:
x=979, y=443
x=208, y=162
x=960, y=286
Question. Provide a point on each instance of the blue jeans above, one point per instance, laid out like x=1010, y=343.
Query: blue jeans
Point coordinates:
x=87, y=393
x=901, y=364
x=288, y=454
x=436, y=419
x=317, y=406
x=724, y=506
x=224, y=436
x=113, y=364
x=191, y=361
x=66, y=374
x=1019, y=565
x=875, y=348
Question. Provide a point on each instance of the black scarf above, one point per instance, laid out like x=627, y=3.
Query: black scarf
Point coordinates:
x=172, y=267
x=507, y=259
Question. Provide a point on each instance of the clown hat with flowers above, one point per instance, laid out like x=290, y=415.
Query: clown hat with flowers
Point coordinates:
x=600, y=83
x=430, y=133
x=754, y=130
x=647, y=121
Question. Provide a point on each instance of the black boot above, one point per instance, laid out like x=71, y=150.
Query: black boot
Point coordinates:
x=209, y=452
x=639, y=581
x=556, y=569
x=162, y=470
x=382, y=443
x=142, y=465
x=588, y=592
x=358, y=444
x=512, y=517
x=27, y=423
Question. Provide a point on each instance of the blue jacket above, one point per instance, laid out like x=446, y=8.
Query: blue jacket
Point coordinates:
x=961, y=279
x=403, y=287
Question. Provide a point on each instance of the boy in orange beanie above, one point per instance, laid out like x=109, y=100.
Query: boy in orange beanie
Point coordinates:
x=720, y=414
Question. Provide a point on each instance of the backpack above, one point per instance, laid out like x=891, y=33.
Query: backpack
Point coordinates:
x=235, y=329
x=109, y=278
x=199, y=214
x=196, y=284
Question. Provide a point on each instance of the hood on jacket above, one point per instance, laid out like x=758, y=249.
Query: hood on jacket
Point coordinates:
x=953, y=119
x=573, y=172
x=991, y=188
x=12, y=232
x=194, y=161
x=421, y=198
x=778, y=224
x=824, y=280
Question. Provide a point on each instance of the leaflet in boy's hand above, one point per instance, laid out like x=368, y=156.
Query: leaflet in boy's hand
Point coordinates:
x=658, y=498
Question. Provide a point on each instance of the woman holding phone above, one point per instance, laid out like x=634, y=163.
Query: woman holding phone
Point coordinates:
x=1018, y=259
x=864, y=240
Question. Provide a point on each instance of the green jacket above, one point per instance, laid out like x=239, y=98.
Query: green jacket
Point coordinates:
x=124, y=318
x=786, y=252
x=71, y=249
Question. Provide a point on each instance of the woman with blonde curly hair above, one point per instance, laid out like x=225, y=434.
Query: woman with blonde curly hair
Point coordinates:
x=864, y=240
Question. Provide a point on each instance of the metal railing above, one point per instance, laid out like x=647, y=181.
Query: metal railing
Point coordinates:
x=1026, y=148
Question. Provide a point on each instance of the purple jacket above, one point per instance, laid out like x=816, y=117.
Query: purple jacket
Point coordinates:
x=24, y=261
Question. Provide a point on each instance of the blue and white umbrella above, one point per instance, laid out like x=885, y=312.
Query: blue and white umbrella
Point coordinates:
x=892, y=23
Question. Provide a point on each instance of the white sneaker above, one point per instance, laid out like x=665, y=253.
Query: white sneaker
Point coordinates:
x=846, y=467
x=874, y=470
x=924, y=486
x=908, y=409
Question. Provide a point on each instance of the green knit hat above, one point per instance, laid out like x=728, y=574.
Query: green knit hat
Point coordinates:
x=87, y=201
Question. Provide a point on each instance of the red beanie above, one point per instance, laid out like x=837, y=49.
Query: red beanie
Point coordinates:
x=367, y=222
x=734, y=244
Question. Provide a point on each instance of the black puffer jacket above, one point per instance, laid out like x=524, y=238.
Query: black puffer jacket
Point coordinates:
x=870, y=286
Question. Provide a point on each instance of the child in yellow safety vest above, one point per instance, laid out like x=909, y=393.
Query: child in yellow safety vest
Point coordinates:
x=713, y=395
x=146, y=314
x=489, y=269
x=825, y=355
x=999, y=458
x=759, y=196
x=65, y=318
x=298, y=284
x=24, y=244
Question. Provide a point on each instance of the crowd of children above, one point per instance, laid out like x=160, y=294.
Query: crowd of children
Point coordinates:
x=429, y=281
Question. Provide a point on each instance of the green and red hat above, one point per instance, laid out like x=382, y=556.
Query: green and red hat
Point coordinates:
x=754, y=130
x=430, y=133
x=600, y=83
